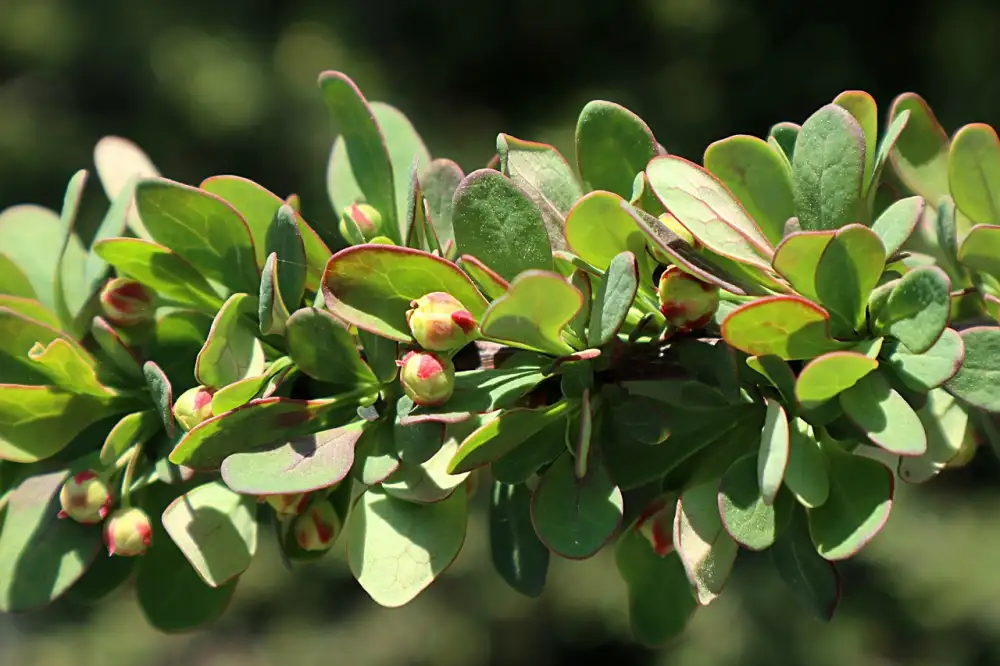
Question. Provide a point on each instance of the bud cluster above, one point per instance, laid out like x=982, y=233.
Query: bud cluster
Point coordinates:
x=86, y=498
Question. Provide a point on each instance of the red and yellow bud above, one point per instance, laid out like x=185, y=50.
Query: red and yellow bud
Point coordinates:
x=193, y=406
x=126, y=302
x=656, y=523
x=685, y=301
x=128, y=532
x=440, y=322
x=428, y=378
x=86, y=498
x=318, y=526
x=365, y=218
x=288, y=505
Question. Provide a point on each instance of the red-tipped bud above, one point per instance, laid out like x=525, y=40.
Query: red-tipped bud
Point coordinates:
x=318, y=527
x=288, y=506
x=367, y=220
x=656, y=523
x=126, y=302
x=85, y=498
x=685, y=301
x=427, y=378
x=440, y=322
x=128, y=532
x=193, y=406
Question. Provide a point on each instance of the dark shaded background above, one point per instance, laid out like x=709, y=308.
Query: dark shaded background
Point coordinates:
x=209, y=88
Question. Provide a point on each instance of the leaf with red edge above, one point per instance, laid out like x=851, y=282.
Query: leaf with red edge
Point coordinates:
x=612, y=146
x=788, y=327
x=920, y=156
x=490, y=284
x=797, y=257
x=827, y=376
x=533, y=313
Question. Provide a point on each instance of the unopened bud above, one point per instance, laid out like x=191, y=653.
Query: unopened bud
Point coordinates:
x=126, y=302
x=193, y=406
x=85, y=498
x=128, y=532
x=440, y=322
x=428, y=378
x=656, y=523
x=318, y=527
x=367, y=220
x=685, y=301
x=288, y=505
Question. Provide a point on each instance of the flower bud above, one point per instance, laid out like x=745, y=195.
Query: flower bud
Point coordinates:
x=656, y=523
x=365, y=218
x=128, y=532
x=440, y=322
x=193, y=406
x=288, y=505
x=318, y=527
x=126, y=302
x=686, y=302
x=427, y=378
x=85, y=498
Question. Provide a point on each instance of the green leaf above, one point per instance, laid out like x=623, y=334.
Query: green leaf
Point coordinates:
x=489, y=283
x=974, y=172
x=703, y=205
x=806, y=476
x=651, y=580
x=920, y=156
x=18, y=334
x=163, y=271
x=785, y=134
x=812, y=579
x=272, y=315
x=500, y=436
x=14, y=281
x=612, y=146
x=788, y=327
x=576, y=517
x=772, y=460
x=41, y=556
x=885, y=146
x=846, y=274
x=496, y=222
x=162, y=393
x=538, y=450
x=258, y=206
x=897, y=222
x=37, y=422
x=923, y=372
x=977, y=382
x=746, y=517
x=95, y=269
x=380, y=354
x=419, y=232
x=120, y=164
x=758, y=177
x=216, y=529
x=705, y=548
x=245, y=390
x=395, y=549
x=285, y=240
x=121, y=355
x=828, y=170
x=598, y=228
x=374, y=454
x=171, y=594
x=520, y=558
x=259, y=423
x=862, y=106
x=105, y=576
x=415, y=441
x=232, y=351
x=372, y=286
x=980, y=251
x=947, y=424
x=440, y=182
x=918, y=308
x=32, y=237
x=532, y=314
x=613, y=299
x=323, y=348
x=132, y=429
x=777, y=372
x=69, y=368
x=861, y=491
x=827, y=376
x=797, y=259
x=177, y=339
x=884, y=416
x=546, y=177
x=370, y=173
x=72, y=291
x=202, y=228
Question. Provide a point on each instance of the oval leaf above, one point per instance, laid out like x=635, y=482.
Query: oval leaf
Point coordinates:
x=825, y=377
x=772, y=460
x=613, y=299
x=978, y=380
x=884, y=416
x=705, y=548
x=948, y=427
x=974, y=172
x=788, y=327
x=120, y=164
x=745, y=515
x=918, y=308
x=980, y=250
x=520, y=558
x=534, y=311
x=812, y=579
x=897, y=222
x=323, y=348
x=232, y=351
x=798, y=257
x=806, y=476
x=598, y=228
x=612, y=146
x=923, y=372
x=846, y=274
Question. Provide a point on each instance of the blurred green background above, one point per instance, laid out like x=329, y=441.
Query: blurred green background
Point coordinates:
x=211, y=88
